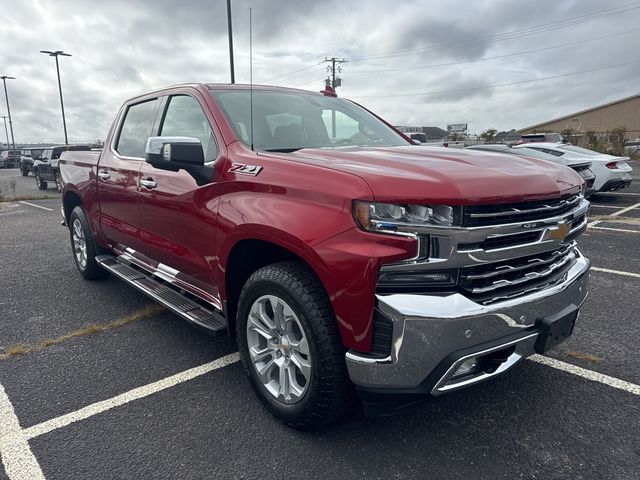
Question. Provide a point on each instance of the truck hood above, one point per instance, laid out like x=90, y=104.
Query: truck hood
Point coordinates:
x=410, y=174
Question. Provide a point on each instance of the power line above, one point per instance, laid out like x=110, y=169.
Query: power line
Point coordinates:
x=505, y=35
x=501, y=84
x=523, y=52
x=288, y=74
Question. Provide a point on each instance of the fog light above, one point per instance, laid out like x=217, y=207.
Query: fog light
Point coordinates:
x=466, y=368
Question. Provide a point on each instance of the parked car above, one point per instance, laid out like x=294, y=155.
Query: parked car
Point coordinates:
x=579, y=165
x=336, y=260
x=632, y=146
x=612, y=173
x=9, y=158
x=540, y=137
x=27, y=157
x=46, y=168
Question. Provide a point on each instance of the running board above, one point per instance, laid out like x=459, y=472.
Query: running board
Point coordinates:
x=210, y=320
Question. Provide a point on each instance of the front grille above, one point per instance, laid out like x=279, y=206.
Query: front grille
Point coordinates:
x=507, y=279
x=501, y=241
x=483, y=215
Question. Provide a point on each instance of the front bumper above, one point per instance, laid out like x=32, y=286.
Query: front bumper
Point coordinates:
x=432, y=334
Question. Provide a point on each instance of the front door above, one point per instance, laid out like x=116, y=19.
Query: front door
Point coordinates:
x=177, y=216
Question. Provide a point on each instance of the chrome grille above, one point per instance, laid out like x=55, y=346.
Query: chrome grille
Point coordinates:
x=506, y=279
x=482, y=215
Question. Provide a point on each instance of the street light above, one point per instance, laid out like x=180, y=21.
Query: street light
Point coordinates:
x=56, y=54
x=6, y=97
x=4, y=117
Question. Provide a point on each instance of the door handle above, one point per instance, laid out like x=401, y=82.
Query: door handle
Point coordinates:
x=103, y=174
x=148, y=183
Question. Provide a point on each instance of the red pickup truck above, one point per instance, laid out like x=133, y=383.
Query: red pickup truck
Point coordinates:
x=343, y=258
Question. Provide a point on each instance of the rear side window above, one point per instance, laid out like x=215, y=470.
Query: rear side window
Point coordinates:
x=136, y=128
x=185, y=118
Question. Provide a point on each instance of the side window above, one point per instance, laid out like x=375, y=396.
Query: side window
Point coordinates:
x=185, y=118
x=136, y=128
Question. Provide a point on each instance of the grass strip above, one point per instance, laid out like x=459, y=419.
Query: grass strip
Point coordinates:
x=91, y=329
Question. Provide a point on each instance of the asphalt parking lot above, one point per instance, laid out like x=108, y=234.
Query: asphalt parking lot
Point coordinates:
x=144, y=395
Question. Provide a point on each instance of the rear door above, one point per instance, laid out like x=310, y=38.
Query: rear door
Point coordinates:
x=178, y=216
x=118, y=174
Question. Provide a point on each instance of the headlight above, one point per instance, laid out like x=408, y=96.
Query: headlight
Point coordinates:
x=386, y=216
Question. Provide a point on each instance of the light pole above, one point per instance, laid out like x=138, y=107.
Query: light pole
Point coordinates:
x=230, y=32
x=4, y=117
x=56, y=54
x=6, y=97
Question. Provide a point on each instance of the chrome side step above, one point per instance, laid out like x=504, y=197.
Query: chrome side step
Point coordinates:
x=211, y=320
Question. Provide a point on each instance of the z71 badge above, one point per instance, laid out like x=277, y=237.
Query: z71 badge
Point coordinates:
x=245, y=169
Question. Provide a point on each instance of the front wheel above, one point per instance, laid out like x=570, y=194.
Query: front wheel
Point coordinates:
x=290, y=346
x=41, y=184
x=84, y=247
x=24, y=171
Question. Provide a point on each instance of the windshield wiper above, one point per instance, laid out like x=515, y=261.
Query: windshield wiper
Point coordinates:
x=283, y=150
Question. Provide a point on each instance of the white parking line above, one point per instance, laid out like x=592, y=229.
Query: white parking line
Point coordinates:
x=618, y=193
x=615, y=214
x=135, y=394
x=617, y=272
x=588, y=374
x=36, y=206
x=17, y=458
x=623, y=230
x=593, y=205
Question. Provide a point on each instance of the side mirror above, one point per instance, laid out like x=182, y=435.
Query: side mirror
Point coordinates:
x=174, y=153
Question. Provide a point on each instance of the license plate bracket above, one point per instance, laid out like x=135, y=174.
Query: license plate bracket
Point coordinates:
x=555, y=330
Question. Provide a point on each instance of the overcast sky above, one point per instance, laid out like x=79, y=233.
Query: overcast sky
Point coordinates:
x=420, y=62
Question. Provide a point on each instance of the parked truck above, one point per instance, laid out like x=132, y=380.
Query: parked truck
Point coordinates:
x=343, y=259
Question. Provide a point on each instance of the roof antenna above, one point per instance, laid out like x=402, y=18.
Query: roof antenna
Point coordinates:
x=251, y=76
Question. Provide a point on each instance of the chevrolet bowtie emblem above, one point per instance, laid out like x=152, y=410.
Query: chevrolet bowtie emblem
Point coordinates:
x=559, y=232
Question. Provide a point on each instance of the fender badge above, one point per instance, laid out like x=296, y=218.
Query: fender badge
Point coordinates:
x=245, y=169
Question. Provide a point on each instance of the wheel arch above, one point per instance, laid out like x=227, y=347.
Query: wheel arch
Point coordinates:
x=249, y=254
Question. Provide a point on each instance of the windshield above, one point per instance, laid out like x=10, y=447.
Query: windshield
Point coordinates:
x=580, y=150
x=533, y=153
x=289, y=121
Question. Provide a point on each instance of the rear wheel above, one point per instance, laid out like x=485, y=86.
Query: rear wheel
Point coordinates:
x=41, y=184
x=56, y=178
x=24, y=171
x=84, y=247
x=290, y=346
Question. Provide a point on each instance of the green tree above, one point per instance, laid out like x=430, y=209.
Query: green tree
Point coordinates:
x=489, y=135
x=617, y=140
x=569, y=135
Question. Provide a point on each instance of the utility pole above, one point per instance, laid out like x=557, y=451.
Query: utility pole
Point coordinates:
x=230, y=31
x=56, y=54
x=6, y=132
x=332, y=69
x=333, y=82
x=6, y=96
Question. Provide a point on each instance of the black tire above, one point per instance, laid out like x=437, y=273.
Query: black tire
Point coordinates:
x=41, y=184
x=24, y=171
x=56, y=178
x=329, y=392
x=90, y=270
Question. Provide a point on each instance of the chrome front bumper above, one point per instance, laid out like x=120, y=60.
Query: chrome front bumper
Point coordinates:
x=432, y=333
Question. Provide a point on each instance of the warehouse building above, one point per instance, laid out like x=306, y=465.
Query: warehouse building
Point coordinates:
x=600, y=120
